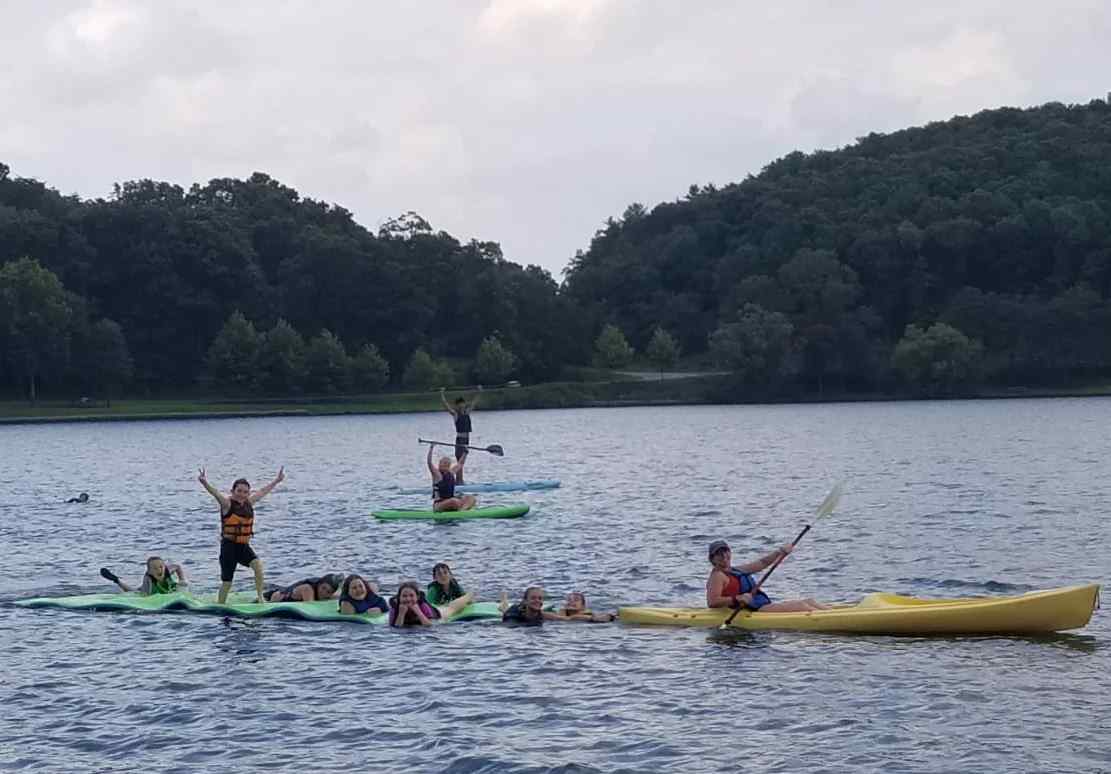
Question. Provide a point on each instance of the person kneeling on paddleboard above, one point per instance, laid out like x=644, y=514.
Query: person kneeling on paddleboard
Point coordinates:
x=237, y=524
x=159, y=578
x=733, y=587
x=307, y=590
x=410, y=607
x=445, y=476
x=358, y=595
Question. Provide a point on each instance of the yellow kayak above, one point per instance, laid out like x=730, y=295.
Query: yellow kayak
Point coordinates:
x=1052, y=610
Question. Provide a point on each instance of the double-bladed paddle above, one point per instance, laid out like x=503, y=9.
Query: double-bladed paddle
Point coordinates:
x=493, y=448
x=825, y=509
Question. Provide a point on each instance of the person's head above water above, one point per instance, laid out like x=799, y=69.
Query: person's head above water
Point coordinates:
x=327, y=585
x=355, y=587
x=156, y=567
x=441, y=573
x=408, y=593
x=83, y=497
x=240, y=490
x=533, y=599
x=575, y=602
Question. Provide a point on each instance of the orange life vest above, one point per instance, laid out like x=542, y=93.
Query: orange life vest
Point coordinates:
x=238, y=522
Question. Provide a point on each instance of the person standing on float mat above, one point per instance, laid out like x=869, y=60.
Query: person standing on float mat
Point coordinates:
x=237, y=522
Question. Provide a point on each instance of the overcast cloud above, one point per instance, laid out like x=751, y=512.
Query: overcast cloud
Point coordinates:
x=527, y=122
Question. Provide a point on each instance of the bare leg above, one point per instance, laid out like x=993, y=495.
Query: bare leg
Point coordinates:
x=225, y=587
x=469, y=502
x=451, y=504
x=256, y=565
x=455, y=605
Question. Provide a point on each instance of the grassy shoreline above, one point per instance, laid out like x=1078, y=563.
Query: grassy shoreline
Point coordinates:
x=690, y=391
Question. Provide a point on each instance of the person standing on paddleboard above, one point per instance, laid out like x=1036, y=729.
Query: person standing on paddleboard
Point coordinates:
x=237, y=524
x=460, y=411
x=733, y=587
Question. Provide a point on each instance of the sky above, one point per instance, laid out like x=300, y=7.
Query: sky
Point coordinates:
x=525, y=122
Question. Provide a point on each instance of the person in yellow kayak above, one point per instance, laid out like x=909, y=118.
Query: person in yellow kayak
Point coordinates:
x=734, y=587
x=237, y=524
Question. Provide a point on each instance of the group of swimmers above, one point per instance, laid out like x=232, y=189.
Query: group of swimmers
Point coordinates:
x=727, y=586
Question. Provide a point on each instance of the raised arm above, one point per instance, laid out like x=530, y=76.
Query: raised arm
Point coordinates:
x=224, y=503
x=764, y=561
x=458, y=466
x=177, y=570
x=443, y=399
x=269, y=487
x=432, y=468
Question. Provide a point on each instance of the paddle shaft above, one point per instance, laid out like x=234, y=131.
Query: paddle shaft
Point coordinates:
x=776, y=563
x=491, y=448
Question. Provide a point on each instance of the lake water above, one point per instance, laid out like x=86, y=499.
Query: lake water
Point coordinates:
x=941, y=499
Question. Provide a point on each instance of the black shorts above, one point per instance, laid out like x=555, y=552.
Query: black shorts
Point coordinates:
x=232, y=554
x=462, y=440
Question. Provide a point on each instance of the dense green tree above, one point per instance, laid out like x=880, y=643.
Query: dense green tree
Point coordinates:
x=662, y=350
x=327, y=366
x=281, y=360
x=939, y=360
x=233, y=357
x=611, y=349
x=423, y=372
x=107, y=361
x=369, y=370
x=35, y=320
x=756, y=347
x=493, y=362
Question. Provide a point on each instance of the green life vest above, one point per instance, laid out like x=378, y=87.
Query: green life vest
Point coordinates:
x=165, y=586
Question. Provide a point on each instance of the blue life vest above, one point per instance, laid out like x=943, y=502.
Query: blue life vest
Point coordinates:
x=746, y=584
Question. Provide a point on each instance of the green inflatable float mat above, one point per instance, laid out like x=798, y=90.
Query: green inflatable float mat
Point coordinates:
x=512, y=511
x=239, y=605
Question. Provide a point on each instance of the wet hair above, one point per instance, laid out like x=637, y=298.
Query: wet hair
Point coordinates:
x=154, y=558
x=580, y=595
x=524, y=597
x=437, y=566
x=239, y=481
x=410, y=617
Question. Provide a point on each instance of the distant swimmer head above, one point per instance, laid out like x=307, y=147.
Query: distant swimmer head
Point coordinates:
x=83, y=497
x=241, y=489
x=719, y=551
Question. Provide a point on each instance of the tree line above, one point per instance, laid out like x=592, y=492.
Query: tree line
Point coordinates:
x=932, y=258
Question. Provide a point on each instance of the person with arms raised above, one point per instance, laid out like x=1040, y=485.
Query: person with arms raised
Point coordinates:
x=460, y=411
x=237, y=522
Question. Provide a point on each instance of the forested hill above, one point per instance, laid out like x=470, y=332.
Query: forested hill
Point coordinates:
x=168, y=267
x=997, y=224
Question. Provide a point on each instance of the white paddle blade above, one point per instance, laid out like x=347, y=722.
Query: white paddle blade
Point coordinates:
x=830, y=503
